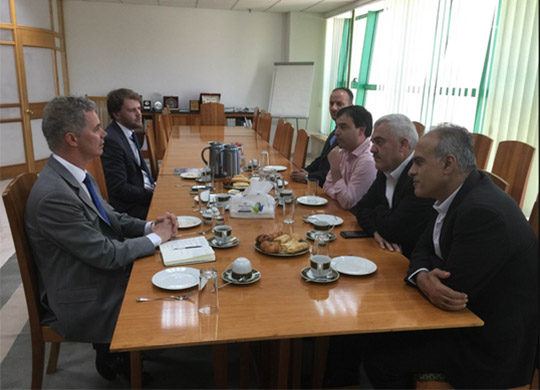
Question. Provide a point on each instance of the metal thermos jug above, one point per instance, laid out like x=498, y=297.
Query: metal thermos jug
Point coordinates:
x=215, y=161
x=231, y=160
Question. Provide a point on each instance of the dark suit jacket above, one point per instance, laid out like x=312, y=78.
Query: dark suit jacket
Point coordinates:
x=125, y=182
x=402, y=224
x=83, y=263
x=318, y=169
x=492, y=254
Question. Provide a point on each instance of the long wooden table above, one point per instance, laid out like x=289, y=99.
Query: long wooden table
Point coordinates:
x=281, y=305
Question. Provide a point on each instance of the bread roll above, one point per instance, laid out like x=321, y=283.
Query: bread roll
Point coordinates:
x=270, y=247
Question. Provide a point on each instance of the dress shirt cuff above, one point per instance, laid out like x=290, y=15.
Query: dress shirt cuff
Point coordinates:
x=412, y=278
x=148, y=228
x=156, y=240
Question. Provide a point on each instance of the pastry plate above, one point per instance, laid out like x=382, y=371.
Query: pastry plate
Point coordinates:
x=227, y=276
x=177, y=278
x=279, y=254
x=331, y=219
x=312, y=201
x=312, y=234
x=278, y=168
x=190, y=175
x=353, y=265
x=307, y=275
x=233, y=241
x=188, y=221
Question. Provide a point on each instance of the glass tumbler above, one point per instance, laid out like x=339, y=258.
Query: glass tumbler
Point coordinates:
x=208, y=291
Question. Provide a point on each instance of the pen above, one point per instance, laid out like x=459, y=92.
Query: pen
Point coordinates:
x=188, y=247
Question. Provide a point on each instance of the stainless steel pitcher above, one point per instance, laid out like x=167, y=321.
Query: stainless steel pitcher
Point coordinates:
x=231, y=160
x=215, y=161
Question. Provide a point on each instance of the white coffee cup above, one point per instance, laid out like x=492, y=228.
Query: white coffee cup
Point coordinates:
x=320, y=266
x=241, y=267
x=222, y=233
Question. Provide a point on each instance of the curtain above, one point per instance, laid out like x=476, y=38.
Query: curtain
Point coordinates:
x=512, y=102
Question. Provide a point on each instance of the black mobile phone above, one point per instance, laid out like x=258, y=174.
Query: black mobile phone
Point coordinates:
x=354, y=234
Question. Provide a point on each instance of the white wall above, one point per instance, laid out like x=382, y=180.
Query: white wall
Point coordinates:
x=173, y=51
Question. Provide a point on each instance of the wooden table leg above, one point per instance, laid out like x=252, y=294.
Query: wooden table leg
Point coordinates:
x=136, y=369
x=219, y=352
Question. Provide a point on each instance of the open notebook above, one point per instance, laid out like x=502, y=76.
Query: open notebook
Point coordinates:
x=187, y=251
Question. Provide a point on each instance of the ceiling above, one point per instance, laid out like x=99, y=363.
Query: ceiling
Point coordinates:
x=283, y=6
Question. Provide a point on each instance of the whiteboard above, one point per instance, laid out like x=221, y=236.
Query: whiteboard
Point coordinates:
x=290, y=95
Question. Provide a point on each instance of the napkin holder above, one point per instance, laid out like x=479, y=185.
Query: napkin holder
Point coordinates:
x=253, y=204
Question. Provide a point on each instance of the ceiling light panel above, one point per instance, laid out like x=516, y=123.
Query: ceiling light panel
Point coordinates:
x=216, y=4
x=178, y=3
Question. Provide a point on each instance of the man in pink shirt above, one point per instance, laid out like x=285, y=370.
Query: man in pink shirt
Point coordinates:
x=352, y=168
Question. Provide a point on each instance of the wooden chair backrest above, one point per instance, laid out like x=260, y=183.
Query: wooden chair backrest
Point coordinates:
x=255, y=118
x=533, y=219
x=513, y=162
x=482, y=148
x=212, y=114
x=101, y=109
x=499, y=181
x=420, y=128
x=151, y=143
x=167, y=123
x=15, y=197
x=300, y=148
x=264, y=125
x=161, y=135
x=283, y=139
x=96, y=170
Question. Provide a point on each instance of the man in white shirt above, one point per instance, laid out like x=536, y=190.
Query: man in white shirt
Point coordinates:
x=352, y=168
x=129, y=182
x=83, y=248
x=390, y=211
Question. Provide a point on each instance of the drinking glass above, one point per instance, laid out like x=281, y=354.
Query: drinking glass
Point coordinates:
x=255, y=167
x=208, y=291
x=312, y=186
x=264, y=159
x=288, y=212
x=321, y=245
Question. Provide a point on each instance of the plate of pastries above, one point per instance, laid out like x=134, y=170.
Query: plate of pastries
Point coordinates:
x=237, y=182
x=281, y=244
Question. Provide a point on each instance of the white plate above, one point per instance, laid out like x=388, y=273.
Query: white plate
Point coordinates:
x=278, y=168
x=312, y=200
x=188, y=221
x=177, y=278
x=352, y=265
x=190, y=175
x=331, y=219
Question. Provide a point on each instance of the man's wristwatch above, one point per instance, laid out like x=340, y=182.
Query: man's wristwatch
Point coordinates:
x=306, y=177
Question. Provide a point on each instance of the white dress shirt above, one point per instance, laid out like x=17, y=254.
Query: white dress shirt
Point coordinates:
x=393, y=177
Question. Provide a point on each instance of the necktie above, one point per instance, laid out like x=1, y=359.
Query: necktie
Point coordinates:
x=143, y=163
x=95, y=197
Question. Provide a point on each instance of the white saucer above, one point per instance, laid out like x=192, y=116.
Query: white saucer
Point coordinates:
x=333, y=275
x=353, y=265
x=233, y=241
x=188, y=221
x=331, y=219
x=190, y=175
x=312, y=200
x=277, y=168
x=227, y=276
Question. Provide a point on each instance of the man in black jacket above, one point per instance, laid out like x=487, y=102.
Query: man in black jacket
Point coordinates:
x=318, y=169
x=478, y=252
x=129, y=182
x=390, y=211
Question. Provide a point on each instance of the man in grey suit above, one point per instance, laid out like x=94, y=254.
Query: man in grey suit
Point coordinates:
x=83, y=248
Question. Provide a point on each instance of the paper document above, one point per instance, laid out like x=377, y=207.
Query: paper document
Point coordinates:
x=187, y=251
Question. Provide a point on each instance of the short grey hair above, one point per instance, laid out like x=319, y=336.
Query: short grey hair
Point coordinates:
x=64, y=114
x=400, y=127
x=458, y=141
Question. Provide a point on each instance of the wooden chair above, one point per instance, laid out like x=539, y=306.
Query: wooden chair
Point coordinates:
x=101, y=109
x=151, y=143
x=533, y=220
x=283, y=138
x=513, y=163
x=15, y=197
x=255, y=118
x=96, y=170
x=499, y=181
x=300, y=148
x=162, y=136
x=420, y=128
x=482, y=148
x=264, y=125
x=212, y=114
